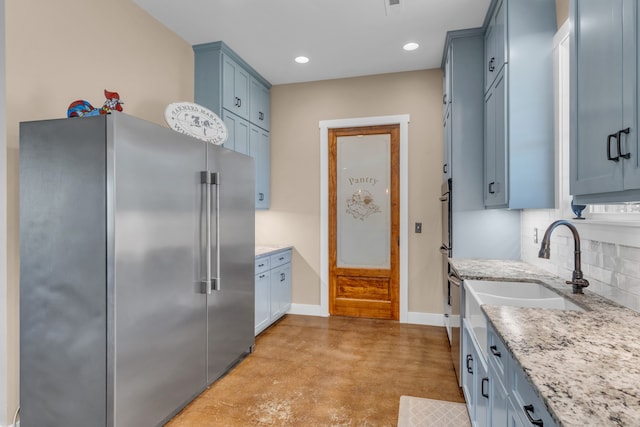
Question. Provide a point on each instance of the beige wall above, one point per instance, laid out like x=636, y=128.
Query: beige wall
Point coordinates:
x=562, y=11
x=294, y=217
x=63, y=50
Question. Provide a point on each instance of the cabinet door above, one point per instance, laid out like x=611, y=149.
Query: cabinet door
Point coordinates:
x=238, y=130
x=259, y=113
x=496, y=185
x=446, y=82
x=482, y=393
x=500, y=36
x=262, y=301
x=259, y=150
x=494, y=46
x=235, y=88
x=285, y=283
x=631, y=144
x=498, y=399
x=513, y=419
x=446, y=155
x=527, y=403
x=468, y=369
x=597, y=64
x=280, y=290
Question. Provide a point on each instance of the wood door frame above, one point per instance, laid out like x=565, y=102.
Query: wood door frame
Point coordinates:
x=325, y=125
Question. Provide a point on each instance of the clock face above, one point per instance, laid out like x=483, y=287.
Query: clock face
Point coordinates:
x=196, y=121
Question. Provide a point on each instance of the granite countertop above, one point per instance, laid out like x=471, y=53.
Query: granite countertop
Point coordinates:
x=584, y=365
x=269, y=249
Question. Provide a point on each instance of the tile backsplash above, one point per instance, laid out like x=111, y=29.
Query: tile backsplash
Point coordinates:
x=610, y=254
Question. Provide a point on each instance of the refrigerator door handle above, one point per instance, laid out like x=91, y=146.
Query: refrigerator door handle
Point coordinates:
x=205, y=178
x=215, y=281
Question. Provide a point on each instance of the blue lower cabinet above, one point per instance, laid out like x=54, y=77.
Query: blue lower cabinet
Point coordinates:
x=273, y=288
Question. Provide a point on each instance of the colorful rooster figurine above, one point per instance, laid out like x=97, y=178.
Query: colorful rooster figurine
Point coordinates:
x=82, y=108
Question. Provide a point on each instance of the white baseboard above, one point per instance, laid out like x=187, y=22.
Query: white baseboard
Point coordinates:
x=307, y=310
x=429, y=319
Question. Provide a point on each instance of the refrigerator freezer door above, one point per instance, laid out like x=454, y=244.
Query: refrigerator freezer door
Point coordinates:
x=159, y=310
x=230, y=306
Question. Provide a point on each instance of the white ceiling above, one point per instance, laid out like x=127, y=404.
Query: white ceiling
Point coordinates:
x=343, y=38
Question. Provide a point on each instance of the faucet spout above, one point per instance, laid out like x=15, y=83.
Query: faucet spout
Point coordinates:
x=577, y=279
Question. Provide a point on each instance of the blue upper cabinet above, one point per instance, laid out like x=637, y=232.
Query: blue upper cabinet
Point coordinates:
x=259, y=110
x=604, y=101
x=232, y=89
x=235, y=87
x=518, y=74
x=494, y=47
x=463, y=142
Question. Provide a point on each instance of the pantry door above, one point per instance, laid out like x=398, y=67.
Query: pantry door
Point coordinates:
x=364, y=221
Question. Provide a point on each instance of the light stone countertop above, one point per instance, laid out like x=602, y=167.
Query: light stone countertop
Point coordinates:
x=270, y=249
x=584, y=365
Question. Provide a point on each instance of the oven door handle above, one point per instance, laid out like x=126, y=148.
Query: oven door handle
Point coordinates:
x=456, y=281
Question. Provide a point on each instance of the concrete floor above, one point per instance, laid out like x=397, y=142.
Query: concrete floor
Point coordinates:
x=335, y=371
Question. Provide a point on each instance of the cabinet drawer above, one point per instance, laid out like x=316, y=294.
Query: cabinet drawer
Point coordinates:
x=262, y=264
x=497, y=353
x=280, y=258
x=527, y=403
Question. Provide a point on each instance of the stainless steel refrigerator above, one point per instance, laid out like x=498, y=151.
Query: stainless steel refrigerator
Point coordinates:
x=136, y=264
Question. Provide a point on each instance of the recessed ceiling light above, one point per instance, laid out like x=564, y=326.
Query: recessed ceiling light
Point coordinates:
x=411, y=46
x=302, y=59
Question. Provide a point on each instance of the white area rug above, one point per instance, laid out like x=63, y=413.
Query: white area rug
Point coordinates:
x=420, y=412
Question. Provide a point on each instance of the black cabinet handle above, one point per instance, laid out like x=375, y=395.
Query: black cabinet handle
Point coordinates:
x=618, y=137
x=485, y=380
x=282, y=277
x=239, y=102
x=491, y=64
x=527, y=410
x=261, y=196
x=469, y=361
x=609, y=137
x=444, y=168
x=491, y=190
x=494, y=351
x=444, y=98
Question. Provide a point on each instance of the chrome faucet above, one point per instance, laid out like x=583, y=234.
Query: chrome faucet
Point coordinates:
x=577, y=280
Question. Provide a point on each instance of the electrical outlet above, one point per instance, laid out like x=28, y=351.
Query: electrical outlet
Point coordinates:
x=418, y=227
x=535, y=235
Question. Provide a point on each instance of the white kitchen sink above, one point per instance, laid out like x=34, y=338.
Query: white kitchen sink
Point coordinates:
x=518, y=294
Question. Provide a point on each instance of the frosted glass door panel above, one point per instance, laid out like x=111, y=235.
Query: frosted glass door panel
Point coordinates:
x=363, y=201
